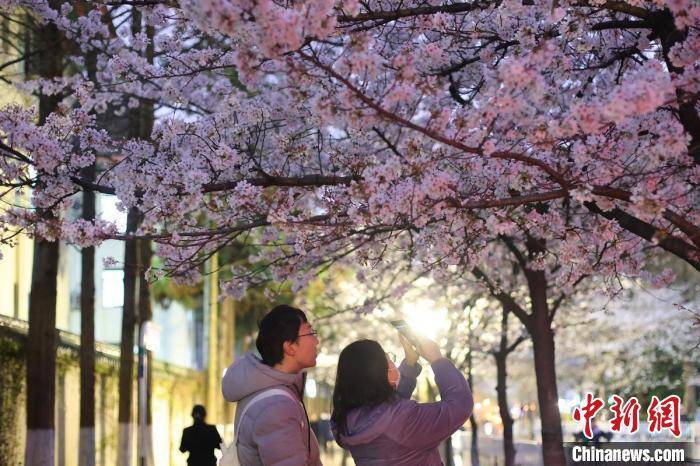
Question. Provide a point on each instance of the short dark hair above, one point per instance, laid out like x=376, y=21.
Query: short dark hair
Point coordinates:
x=279, y=325
x=361, y=380
x=199, y=412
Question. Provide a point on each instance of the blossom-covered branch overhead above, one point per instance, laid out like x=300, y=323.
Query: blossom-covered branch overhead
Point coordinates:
x=429, y=128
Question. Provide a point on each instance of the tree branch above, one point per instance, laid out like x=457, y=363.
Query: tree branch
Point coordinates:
x=392, y=15
x=664, y=240
x=622, y=24
x=505, y=299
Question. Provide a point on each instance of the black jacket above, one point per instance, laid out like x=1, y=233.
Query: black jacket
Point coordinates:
x=200, y=440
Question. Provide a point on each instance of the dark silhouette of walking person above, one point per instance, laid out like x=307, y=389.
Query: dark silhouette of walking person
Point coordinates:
x=200, y=439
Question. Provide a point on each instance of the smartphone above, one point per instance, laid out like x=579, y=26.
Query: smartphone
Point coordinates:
x=400, y=324
x=405, y=329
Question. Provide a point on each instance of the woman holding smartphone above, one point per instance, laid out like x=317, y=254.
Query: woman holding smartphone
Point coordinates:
x=373, y=416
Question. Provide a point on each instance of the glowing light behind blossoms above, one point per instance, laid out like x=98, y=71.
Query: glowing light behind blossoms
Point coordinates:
x=425, y=318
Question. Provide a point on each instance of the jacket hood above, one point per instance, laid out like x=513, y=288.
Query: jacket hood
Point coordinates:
x=249, y=374
x=366, y=424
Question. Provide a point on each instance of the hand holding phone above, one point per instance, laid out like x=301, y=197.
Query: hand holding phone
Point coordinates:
x=424, y=346
x=410, y=353
x=405, y=330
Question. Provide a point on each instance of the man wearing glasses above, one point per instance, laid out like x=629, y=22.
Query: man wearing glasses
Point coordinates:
x=274, y=429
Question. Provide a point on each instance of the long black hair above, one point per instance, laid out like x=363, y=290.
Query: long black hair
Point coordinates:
x=361, y=380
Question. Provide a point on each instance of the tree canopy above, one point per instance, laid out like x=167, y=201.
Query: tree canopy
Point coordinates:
x=325, y=130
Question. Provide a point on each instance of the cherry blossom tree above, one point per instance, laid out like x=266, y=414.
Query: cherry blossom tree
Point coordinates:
x=334, y=125
x=40, y=347
x=636, y=353
x=327, y=130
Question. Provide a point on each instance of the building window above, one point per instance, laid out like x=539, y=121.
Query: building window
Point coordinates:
x=112, y=288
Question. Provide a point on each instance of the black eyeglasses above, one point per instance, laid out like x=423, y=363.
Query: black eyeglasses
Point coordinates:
x=311, y=333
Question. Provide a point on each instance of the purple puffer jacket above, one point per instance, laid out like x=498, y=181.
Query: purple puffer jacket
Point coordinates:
x=402, y=432
x=274, y=431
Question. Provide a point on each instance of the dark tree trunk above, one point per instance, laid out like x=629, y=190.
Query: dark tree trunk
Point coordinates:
x=126, y=359
x=502, y=395
x=145, y=315
x=86, y=445
x=41, y=338
x=449, y=452
x=474, y=450
x=142, y=120
x=545, y=371
x=41, y=355
x=140, y=126
x=87, y=337
x=539, y=324
x=501, y=357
